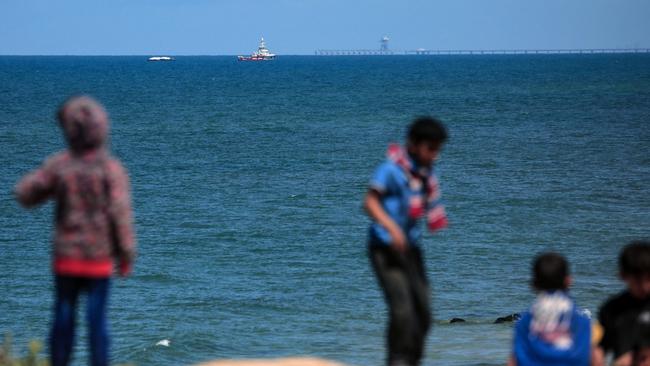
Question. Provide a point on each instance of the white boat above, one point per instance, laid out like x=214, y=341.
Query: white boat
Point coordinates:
x=262, y=54
x=160, y=58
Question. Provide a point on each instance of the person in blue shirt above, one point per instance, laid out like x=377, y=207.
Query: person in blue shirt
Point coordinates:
x=402, y=191
x=553, y=331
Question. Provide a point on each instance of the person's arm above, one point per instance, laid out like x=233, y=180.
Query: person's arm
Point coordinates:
x=597, y=353
x=121, y=217
x=373, y=207
x=624, y=360
x=36, y=187
x=597, y=356
x=604, y=331
x=511, y=361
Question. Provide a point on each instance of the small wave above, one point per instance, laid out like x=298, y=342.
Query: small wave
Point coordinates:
x=154, y=278
x=164, y=343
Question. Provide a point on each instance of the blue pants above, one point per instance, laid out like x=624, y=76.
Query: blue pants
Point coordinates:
x=62, y=336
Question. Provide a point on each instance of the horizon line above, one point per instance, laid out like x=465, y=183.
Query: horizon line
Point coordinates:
x=367, y=51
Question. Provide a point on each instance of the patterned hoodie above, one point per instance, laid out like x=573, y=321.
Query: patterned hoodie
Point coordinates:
x=93, y=217
x=553, y=332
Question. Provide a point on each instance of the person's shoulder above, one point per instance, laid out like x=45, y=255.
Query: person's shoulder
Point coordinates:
x=115, y=166
x=583, y=316
x=616, y=303
x=388, y=165
x=523, y=324
x=55, y=160
x=387, y=169
x=621, y=298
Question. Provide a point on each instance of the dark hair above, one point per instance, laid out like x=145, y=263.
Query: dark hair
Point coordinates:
x=550, y=271
x=427, y=129
x=634, y=259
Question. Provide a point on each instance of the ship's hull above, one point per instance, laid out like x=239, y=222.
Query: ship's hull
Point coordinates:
x=255, y=58
x=160, y=58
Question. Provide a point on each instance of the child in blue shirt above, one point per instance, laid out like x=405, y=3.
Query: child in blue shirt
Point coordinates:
x=403, y=190
x=553, y=331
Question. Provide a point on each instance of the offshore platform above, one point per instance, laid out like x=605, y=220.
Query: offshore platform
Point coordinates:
x=385, y=51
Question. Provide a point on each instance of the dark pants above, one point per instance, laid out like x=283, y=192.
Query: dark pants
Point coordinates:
x=62, y=336
x=406, y=290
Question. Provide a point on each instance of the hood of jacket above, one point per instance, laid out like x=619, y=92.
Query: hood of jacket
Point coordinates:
x=85, y=124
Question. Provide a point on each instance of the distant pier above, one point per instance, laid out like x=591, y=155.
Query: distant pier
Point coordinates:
x=357, y=53
x=385, y=52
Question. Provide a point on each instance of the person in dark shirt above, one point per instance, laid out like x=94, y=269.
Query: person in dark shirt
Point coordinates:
x=626, y=316
x=642, y=357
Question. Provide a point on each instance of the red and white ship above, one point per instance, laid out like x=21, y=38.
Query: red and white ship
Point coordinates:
x=262, y=54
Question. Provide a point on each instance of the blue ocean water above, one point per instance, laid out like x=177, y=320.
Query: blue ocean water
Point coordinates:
x=247, y=183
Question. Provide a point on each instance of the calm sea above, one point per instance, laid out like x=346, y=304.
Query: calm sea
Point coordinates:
x=247, y=184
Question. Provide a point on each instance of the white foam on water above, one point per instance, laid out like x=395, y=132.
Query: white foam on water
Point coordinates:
x=586, y=312
x=164, y=343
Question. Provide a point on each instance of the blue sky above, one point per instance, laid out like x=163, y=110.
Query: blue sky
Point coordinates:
x=227, y=27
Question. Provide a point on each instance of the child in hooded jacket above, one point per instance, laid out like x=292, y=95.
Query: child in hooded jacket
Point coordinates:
x=93, y=224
